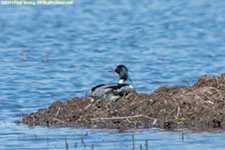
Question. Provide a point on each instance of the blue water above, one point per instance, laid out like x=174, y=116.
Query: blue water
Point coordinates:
x=70, y=48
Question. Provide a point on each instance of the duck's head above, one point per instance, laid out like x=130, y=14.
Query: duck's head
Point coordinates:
x=122, y=71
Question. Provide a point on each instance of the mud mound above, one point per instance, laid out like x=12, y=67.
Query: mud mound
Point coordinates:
x=201, y=105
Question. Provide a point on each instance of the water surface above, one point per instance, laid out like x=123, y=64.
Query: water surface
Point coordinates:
x=70, y=48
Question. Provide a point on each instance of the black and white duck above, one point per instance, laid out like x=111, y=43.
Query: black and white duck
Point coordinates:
x=113, y=91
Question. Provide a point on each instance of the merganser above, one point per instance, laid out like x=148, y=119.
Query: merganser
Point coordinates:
x=113, y=91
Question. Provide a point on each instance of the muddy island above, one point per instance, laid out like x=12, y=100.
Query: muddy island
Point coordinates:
x=199, y=106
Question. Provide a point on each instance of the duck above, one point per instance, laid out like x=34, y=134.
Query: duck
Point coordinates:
x=114, y=91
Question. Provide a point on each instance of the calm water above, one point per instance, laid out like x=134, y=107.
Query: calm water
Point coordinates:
x=70, y=48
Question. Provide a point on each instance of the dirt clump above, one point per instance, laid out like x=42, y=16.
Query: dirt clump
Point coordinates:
x=201, y=105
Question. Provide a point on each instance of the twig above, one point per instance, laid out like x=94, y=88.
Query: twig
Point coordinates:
x=57, y=113
x=24, y=56
x=128, y=120
x=58, y=120
x=126, y=117
x=92, y=100
x=178, y=112
x=33, y=118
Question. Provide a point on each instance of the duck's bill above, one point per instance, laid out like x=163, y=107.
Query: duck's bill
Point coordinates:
x=112, y=71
